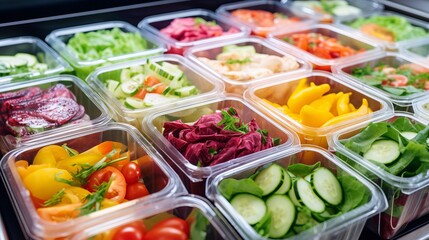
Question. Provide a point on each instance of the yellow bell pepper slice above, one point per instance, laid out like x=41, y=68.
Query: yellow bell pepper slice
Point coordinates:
x=325, y=102
x=43, y=183
x=363, y=110
x=352, y=107
x=343, y=104
x=306, y=96
x=313, y=117
x=73, y=164
x=301, y=85
x=50, y=155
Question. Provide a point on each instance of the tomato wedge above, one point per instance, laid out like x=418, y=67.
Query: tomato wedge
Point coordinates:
x=118, y=187
x=60, y=213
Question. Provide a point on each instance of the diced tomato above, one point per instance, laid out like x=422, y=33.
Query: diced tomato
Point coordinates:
x=159, y=89
x=151, y=81
x=141, y=93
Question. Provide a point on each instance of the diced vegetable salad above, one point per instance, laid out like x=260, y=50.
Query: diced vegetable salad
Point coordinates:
x=281, y=202
x=243, y=63
x=149, y=85
x=262, y=18
x=338, y=8
x=313, y=106
x=218, y=137
x=321, y=45
x=65, y=184
x=400, y=147
x=388, y=28
x=402, y=80
x=102, y=44
x=21, y=63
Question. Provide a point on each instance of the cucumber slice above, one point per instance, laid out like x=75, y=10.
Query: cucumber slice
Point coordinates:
x=292, y=195
x=135, y=103
x=139, y=78
x=346, y=10
x=136, y=69
x=130, y=87
x=287, y=182
x=270, y=179
x=156, y=99
x=119, y=94
x=41, y=67
x=12, y=62
x=383, y=151
x=31, y=59
x=302, y=218
x=112, y=85
x=283, y=214
x=327, y=186
x=125, y=75
x=250, y=207
x=186, y=91
x=409, y=135
x=165, y=74
x=308, y=197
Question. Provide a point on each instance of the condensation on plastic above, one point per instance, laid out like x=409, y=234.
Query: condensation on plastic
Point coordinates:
x=92, y=103
x=346, y=226
x=261, y=46
x=280, y=90
x=181, y=206
x=58, y=40
x=81, y=139
x=419, y=108
x=208, y=87
x=40, y=50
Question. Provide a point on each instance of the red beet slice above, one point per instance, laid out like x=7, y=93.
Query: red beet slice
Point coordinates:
x=59, y=110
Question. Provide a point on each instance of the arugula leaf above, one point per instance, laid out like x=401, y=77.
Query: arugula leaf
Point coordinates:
x=230, y=187
x=55, y=199
x=93, y=200
x=302, y=170
x=198, y=230
x=354, y=193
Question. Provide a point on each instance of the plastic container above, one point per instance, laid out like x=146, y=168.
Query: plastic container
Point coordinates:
x=346, y=226
x=42, y=52
x=365, y=7
x=153, y=25
x=3, y=234
x=184, y=207
x=421, y=108
x=418, y=51
x=407, y=196
x=59, y=38
x=208, y=88
x=160, y=180
x=280, y=90
x=94, y=109
x=347, y=39
x=387, y=44
x=192, y=175
x=395, y=60
x=210, y=51
x=303, y=17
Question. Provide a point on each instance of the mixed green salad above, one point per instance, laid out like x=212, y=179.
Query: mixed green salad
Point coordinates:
x=20, y=63
x=400, y=147
x=280, y=202
x=148, y=85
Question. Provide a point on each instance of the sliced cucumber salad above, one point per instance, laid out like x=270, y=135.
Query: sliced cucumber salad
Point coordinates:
x=154, y=83
x=280, y=202
x=20, y=63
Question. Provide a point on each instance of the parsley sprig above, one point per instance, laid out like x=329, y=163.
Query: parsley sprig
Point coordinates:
x=93, y=200
x=231, y=122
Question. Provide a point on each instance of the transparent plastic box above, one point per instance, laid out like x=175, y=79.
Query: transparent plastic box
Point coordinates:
x=154, y=24
x=407, y=197
x=346, y=226
x=159, y=179
x=207, y=87
x=280, y=90
x=192, y=175
x=366, y=7
x=3, y=234
x=346, y=38
x=36, y=47
x=185, y=207
x=418, y=51
x=394, y=60
x=303, y=17
x=210, y=51
x=59, y=38
x=95, y=110
x=421, y=108
x=387, y=44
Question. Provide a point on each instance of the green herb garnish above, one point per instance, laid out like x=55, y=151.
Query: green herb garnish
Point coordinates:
x=238, y=61
x=232, y=123
x=55, y=199
x=93, y=200
x=70, y=151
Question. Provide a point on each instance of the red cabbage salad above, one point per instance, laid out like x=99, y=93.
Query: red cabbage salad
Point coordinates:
x=217, y=138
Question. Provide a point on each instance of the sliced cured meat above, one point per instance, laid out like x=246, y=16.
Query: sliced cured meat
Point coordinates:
x=59, y=110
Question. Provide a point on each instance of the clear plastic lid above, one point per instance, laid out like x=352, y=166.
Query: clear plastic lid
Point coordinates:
x=23, y=58
x=284, y=15
x=161, y=181
x=397, y=61
x=154, y=24
x=417, y=50
x=237, y=81
x=41, y=124
x=347, y=225
x=421, y=108
x=206, y=86
x=391, y=45
x=347, y=39
x=186, y=207
x=153, y=126
x=280, y=90
x=407, y=185
x=59, y=39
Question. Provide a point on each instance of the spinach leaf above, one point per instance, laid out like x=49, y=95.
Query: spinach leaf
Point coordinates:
x=404, y=124
x=198, y=229
x=302, y=170
x=361, y=142
x=354, y=193
x=230, y=187
x=409, y=154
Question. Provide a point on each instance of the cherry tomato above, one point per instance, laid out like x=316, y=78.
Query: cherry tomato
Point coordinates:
x=131, y=172
x=177, y=223
x=132, y=231
x=165, y=233
x=136, y=190
x=117, y=188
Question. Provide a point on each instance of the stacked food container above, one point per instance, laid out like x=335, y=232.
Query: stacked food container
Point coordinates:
x=261, y=120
